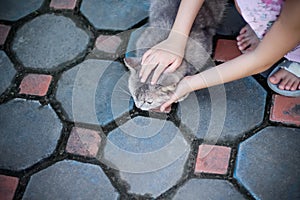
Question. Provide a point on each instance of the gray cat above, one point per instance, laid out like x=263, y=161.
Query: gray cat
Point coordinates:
x=197, y=54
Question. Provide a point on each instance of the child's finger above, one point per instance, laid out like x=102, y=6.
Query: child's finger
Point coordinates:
x=146, y=62
x=158, y=71
x=148, y=69
x=173, y=66
x=168, y=103
x=146, y=55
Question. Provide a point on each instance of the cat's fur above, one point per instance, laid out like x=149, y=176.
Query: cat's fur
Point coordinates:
x=197, y=54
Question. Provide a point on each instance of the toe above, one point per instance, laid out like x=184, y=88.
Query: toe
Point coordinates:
x=283, y=83
x=294, y=86
x=289, y=84
x=274, y=79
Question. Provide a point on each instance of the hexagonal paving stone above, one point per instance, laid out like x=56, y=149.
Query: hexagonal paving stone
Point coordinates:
x=268, y=163
x=28, y=133
x=149, y=153
x=114, y=14
x=12, y=10
x=70, y=180
x=224, y=114
x=131, y=50
x=95, y=92
x=7, y=72
x=208, y=189
x=49, y=40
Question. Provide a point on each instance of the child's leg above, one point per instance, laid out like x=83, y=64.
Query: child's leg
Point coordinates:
x=247, y=39
x=284, y=79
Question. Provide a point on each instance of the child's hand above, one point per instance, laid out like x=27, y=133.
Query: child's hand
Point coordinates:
x=183, y=88
x=163, y=57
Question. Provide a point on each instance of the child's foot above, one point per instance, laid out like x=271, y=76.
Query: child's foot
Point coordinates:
x=247, y=40
x=285, y=80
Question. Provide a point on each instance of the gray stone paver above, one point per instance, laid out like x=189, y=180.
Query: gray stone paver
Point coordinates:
x=70, y=180
x=212, y=189
x=149, y=153
x=49, y=40
x=28, y=133
x=224, y=114
x=268, y=163
x=7, y=72
x=12, y=10
x=95, y=92
x=114, y=14
x=131, y=50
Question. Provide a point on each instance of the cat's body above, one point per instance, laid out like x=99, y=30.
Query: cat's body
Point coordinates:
x=197, y=54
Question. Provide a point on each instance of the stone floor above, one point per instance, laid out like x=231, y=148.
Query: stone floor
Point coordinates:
x=70, y=130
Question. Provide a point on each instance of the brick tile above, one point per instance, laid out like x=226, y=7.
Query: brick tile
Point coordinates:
x=285, y=110
x=84, y=142
x=212, y=159
x=226, y=50
x=4, y=30
x=35, y=84
x=8, y=186
x=63, y=4
x=108, y=44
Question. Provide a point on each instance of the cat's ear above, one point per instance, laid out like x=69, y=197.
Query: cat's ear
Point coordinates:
x=132, y=63
x=168, y=82
x=171, y=87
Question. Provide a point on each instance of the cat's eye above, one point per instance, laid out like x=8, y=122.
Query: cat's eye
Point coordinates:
x=149, y=102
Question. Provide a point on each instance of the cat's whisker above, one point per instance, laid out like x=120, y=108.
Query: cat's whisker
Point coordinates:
x=123, y=91
x=127, y=100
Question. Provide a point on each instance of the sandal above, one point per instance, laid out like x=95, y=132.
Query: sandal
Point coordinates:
x=292, y=67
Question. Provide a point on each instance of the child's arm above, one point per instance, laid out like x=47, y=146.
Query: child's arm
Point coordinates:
x=283, y=36
x=169, y=53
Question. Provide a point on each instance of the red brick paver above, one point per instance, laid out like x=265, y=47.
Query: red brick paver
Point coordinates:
x=285, y=110
x=108, y=44
x=35, y=84
x=8, y=186
x=4, y=30
x=84, y=142
x=226, y=50
x=212, y=159
x=63, y=4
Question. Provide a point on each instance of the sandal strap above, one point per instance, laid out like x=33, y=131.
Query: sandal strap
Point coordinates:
x=292, y=67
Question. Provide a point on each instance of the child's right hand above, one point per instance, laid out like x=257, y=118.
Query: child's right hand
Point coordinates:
x=166, y=57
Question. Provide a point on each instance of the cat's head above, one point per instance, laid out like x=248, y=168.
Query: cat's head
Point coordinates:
x=145, y=95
